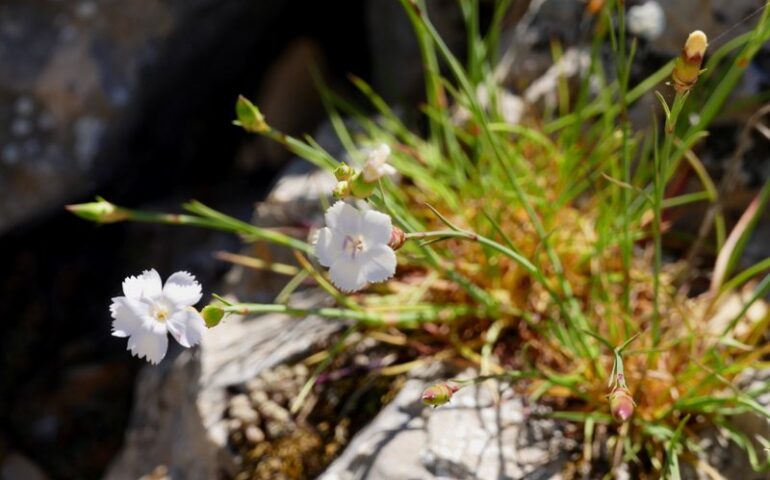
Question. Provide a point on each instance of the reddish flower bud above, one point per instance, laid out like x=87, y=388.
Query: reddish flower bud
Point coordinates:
x=397, y=238
x=439, y=394
x=621, y=404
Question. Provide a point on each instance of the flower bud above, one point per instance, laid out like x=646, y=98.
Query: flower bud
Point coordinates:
x=212, y=315
x=397, y=238
x=687, y=66
x=249, y=116
x=344, y=172
x=341, y=190
x=100, y=211
x=439, y=394
x=360, y=188
x=621, y=404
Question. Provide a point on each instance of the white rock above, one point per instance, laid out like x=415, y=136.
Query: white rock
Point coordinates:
x=647, y=20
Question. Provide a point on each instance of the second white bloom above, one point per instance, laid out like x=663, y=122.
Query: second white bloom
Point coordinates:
x=354, y=245
x=148, y=310
x=376, y=165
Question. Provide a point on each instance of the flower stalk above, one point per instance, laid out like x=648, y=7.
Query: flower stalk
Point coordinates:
x=103, y=211
x=401, y=319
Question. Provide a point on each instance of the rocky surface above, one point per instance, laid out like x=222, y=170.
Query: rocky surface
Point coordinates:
x=486, y=431
x=78, y=76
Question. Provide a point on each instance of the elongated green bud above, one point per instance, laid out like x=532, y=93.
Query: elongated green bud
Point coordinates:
x=100, y=211
x=249, y=116
x=687, y=66
x=439, y=394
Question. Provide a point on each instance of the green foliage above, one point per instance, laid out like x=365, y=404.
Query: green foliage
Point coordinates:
x=537, y=248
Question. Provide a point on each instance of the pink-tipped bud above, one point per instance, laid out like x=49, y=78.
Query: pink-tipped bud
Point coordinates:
x=397, y=238
x=687, y=65
x=439, y=394
x=621, y=404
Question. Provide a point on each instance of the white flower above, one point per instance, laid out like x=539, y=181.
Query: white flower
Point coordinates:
x=376, y=165
x=354, y=245
x=647, y=20
x=149, y=310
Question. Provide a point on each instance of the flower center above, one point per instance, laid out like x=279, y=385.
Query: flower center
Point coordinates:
x=160, y=312
x=353, y=245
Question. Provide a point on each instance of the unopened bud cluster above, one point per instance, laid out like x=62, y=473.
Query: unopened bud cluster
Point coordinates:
x=361, y=184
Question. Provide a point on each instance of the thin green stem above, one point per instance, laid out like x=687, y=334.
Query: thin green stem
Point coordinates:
x=220, y=222
x=400, y=319
x=488, y=242
x=662, y=165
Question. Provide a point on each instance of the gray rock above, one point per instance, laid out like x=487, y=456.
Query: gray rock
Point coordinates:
x=485, y=432
x=66, y=70
x=15, y=466
x=75, y=75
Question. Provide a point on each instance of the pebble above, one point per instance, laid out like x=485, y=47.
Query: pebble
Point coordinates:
x=277, y=429
x=247, y=415
x=273, y=411
x=241, y=409
x=24, y=106
x=21, y=127
x=258, y=397
x=254, y=434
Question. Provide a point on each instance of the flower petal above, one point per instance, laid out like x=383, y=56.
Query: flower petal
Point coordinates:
x=133, y=286
x=146, y=285
x=182, y=289
x=343, y=219
x=328, y=247
x=346, y=275
x=387, y=170
x=376, y=228
x=128, y=314
x=187, y=327
x=149, y=344
x=373, y=168
x=378, y=263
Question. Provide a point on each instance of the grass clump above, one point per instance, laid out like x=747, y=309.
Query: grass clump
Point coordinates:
x=534, y=251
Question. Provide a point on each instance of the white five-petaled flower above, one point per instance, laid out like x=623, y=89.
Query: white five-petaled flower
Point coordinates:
x=376, y=165
x=149, y=310
x=354, y=245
